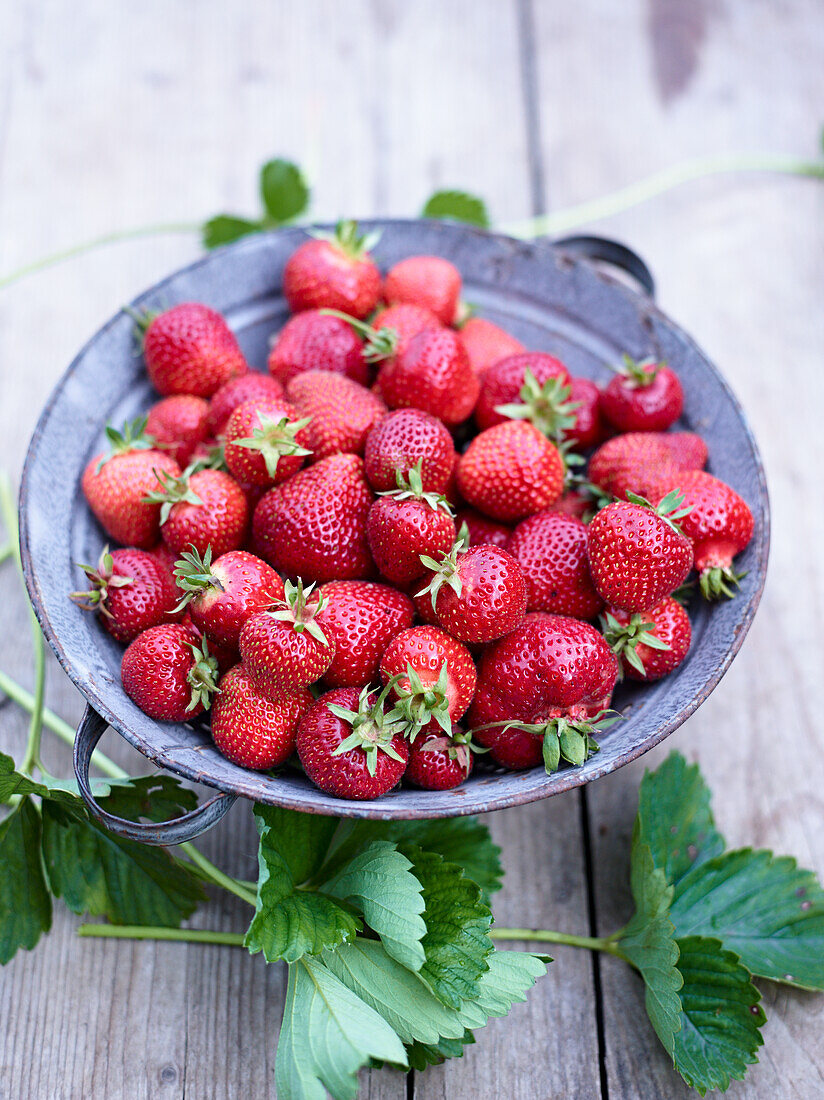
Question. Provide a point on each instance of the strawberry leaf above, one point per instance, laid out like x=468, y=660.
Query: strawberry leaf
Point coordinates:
x=226, y=228
x=25, y=905
x=456, y=206
x=13, y=783
x=283, y=190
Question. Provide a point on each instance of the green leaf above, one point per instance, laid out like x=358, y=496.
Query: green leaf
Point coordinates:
x=283, y=190
x=421, y=1055
x=721, y=1018
x=765, y=908
x=25, y=905
x=456, y=206
x=225, y=228
x=12, y=782
x=510, y=975
x=328, y=1034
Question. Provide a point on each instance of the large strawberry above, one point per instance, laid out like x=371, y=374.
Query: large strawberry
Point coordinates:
x=530, y=386
x=510, y=471
x=313, y=340
x=362, y=618
x=254, y=728
x=551, y=549
x=333, y=270
x=237, y=391
x=486, y=343
x=285, y=648
x=405, y=321
x=350, y=746
x=427, y=281
x=432, y=373
x=314, y=524
x=435, y=675
x=178, y=424
x=643, y=397
x=131, y=590
x=637, y=460
x=116, y=485
x=649, y=644
x=637, y=554
x=168, y=672
x=542, y=691
x=266, y=441
x=405, y=525
x=482, y=531
x=341, y=413
x=203, y=509
x=190, y=349
x=440, y=761
x=407, y=438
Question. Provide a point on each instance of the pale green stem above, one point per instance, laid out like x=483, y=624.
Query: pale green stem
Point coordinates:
x=542, y=935
x=6, y=552
x=215, y=875
x=137, y=932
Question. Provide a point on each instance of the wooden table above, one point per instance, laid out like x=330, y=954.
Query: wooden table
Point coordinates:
x=120, y=115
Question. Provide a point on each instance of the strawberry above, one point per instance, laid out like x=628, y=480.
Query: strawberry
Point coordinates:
x=115, y=485
x=333, y=270
x=406, y=321
x=642, y=397
x=313, y=340
x=221, y=595
x=405, y=525
x=427, y=281
x=341, y=412
x=131, y=590
x=439, y=762
x=189, y=349
x=482, y=531
x=203, y=509
x=637, y=460
x=435, y=676
x=314, y=525
x=589, y=428
x=530, y=386
x=510, y=471
x=362, y=618
x=432, y=373
x=169, y=673
x=350, y=747
x=266, y=441
x=637, y=554
x=551, y=549
x=237, y=391
x=165, y=558
x=178, y=424
x=486, y=343
x=648, y=644
x=574, y=502
x=401, y=440
x=255, y=729
x=285, y=648
x=542, y=692
x=719, y=525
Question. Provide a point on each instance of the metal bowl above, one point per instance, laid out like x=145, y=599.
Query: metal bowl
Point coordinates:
x=548, y=296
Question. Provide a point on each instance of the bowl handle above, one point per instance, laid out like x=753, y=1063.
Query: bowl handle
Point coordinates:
x=91, y=729
x=611, y=252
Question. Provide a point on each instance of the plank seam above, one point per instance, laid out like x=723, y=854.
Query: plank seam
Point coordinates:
x=529, y=90
x=594, y=955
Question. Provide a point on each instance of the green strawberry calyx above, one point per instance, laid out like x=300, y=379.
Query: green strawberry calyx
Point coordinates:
x=447, y=570
x=173, y=490
x=459, y=746
x=274, y=439
x=102, y=577
x=717, y=582
x=565, y=737
x=418, y=703
x=638, y=373
x=214, y=459
x=669, y=508
x=347, y=240
x=203, y=676
x=300, y=607
x=193, y=574
x=373, y=728
x=625, y=638
x=410, y=487
x=547, y=406
x=379, y=343
x=131, y=437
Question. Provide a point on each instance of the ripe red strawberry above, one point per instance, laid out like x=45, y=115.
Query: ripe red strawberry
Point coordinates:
x=486, y=343
x=168, y=672
x=542, y=691
x=427, y=281
x=439, y=762
x=178, y=424
x=226, y=656
x=405, y=525
x=362, y=618
x=165, y=558
x=221, y=595
x=350, y=747
x=313, y=340
x=116, y=485
x=403, y=439
x=510, y=471
x=649, y=644
x=551, y=549
x=637, y=460
x=237, y=391
x=203, y=509
x=285, y=648
x=341, y=412
x=636, y=553
x=481, y=530
x=719, y=525
x=436, y=675
x=530, y=386
x=643, y=397
x=314, y=525
x=190, y=349
x=574, y=502
x=406, y=321
x=266, y=442
x=252, y=728
x=589, y=428
x=131, y=590
x=433, y=373
x=334, y=271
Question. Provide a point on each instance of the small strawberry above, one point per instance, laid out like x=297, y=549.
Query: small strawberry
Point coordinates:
x=406, y=321
x=486, y=343
x=405, y=525
x=551, y=549
x=266, y=442
x=719, y=525
x=434, y=675
x=432, y=373
x=637, y=460
x=178, y=424
x=169, y=673
x=252, y=728
x=203, y=509
x=341, y=412
x=575, y=502
x=637, y=554
x=406, y=438
x=165, y=558
x=481, y=530
x=334, y=270
x=648, y=644
x=589, y=428
x=115, y=485
x=313, y=340
x=350, y=746
x=131, y=590
x=362, y=618
x=189, y=349
x=237, y=391
x=427, y=281
x=440, y=762
x=511, y=471
x=643, y=397
x=220, y=596
x=285, y=648
x=531, y=386
x=314, y=524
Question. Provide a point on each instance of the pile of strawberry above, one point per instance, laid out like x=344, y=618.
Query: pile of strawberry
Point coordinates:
x=384, y=555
